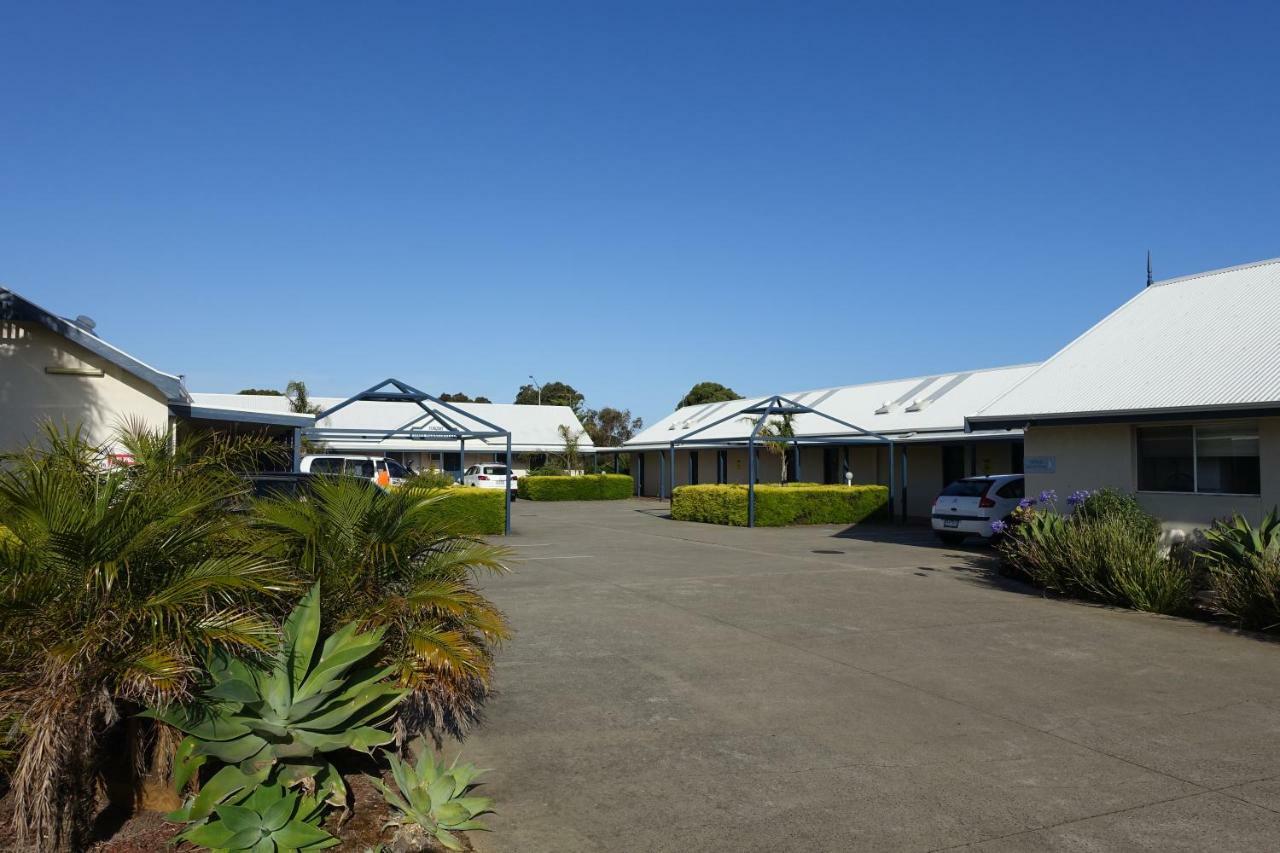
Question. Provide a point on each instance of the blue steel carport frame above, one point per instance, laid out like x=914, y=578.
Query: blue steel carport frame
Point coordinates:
x=448, y=420
x=761, y=412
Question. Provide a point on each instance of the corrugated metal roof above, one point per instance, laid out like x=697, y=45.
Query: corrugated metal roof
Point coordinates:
x=1210, y=340
x=916, y=405
x=533, y=428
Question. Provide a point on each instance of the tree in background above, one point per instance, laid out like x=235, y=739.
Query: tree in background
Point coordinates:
x=463, y=398
x=572, y=453
x=299, y=402
x=261, y=392
x=610, y=427
x=777, y=435
x=553, y=394
x=707, y=392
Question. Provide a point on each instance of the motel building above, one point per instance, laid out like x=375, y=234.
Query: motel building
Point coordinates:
x=421, y=445
x=1174, y=396
x=921, y=421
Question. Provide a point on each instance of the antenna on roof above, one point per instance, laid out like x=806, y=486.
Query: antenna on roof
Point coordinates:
x=1148, y=267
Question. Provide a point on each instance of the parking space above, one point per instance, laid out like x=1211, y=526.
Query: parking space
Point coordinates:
x=688, y=687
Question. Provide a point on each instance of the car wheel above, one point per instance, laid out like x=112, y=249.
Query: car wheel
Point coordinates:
x=951, y=538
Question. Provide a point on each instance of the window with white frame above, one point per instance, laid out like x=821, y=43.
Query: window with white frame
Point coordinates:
x=1215, y=459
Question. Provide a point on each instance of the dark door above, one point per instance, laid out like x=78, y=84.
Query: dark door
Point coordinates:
x=693, y=467
x=1016, y=453
x=952, y=463
x=639, y=473
x=831, y=465
x=722, y=466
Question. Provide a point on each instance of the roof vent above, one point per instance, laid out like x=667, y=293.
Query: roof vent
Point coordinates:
x=85, y=322
x=918, y=405
x=886, y=407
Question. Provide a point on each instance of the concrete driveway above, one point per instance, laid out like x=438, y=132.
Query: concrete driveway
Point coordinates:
x=686, y=687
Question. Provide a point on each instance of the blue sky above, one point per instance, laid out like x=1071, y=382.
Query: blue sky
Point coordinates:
x=630, y=197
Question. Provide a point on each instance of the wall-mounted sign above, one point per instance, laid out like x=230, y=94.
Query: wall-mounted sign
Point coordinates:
x=1040, y=464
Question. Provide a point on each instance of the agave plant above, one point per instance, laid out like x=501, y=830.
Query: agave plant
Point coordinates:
x=271, y=819
x=388, y=560
x=277, y=723
x=432, y=797
x=113, y=581
x=1235, y=541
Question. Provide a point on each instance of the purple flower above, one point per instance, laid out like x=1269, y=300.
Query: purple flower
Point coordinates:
x=1078, y=497
x=1027, y=503
x=999, y=527
x=1048, y=496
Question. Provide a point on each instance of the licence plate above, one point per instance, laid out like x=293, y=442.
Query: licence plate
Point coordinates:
x=950, y=522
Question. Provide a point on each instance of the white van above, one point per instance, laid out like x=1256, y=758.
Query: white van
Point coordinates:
x=377, y=469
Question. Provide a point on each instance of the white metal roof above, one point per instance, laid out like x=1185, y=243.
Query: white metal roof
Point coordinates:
x=1205, y=341
x=533, y=428
x=895, y=408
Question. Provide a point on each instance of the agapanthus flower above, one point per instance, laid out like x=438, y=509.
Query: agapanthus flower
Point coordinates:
x=1078, y=497
x=999, y=527
x=1027, y=503
x=1048, y=496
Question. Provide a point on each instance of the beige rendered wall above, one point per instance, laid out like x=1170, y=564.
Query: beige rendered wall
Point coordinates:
x=1099, y=456
x=100, y=404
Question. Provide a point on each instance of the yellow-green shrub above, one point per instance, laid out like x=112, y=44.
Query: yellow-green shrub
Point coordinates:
x=777, y=506
x=589, y=487
x=473, y=511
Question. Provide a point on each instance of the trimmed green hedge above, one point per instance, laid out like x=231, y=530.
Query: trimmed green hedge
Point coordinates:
x=778, y=506
x=472, y=511
x=588, y=487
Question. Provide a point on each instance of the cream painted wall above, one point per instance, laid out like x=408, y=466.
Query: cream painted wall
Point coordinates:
x=100, y=404
x=1104, y=455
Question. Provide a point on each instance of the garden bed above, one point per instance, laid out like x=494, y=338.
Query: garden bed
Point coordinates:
x=779, y=506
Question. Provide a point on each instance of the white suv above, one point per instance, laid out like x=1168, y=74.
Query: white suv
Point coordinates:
x=489, y=477
x=377, y=469
x=969, y=506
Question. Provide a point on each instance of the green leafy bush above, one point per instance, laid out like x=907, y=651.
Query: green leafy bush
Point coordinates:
x=1110, y=503
x=277, y=723
x=471, y=511
x=777, y=506
x=271, y=819
x=588, y=487
x=432, y=478
x=1243, y=563
x=432, y=797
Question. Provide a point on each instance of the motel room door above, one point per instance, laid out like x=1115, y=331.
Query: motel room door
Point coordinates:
x=952, y=463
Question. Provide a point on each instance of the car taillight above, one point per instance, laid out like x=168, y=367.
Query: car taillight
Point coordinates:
x=986, y=502
x=483, y=477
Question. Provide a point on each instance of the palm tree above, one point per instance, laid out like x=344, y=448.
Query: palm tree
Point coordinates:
x=113, y=582
x=386, y=559
x=778, y=435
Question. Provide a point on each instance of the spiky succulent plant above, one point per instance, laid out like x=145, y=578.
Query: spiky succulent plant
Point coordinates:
x=431, y=796
x=276, y=724
x=272, y=820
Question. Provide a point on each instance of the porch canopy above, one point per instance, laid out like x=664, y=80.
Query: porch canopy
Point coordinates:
x=432, y=420
x=756, y=415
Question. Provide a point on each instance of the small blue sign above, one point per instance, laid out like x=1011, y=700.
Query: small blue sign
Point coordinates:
x=1040, y=465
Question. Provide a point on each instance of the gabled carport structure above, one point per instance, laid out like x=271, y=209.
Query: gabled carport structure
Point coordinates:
x=759, y=413
x=434, y=420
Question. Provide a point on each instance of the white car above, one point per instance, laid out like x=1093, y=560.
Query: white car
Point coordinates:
x=969, y=506
x=377, y=469
x=490, y=477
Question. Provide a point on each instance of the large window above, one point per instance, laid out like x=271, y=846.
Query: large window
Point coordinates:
x=1212, y=459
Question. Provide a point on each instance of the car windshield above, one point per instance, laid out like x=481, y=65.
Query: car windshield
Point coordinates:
x=966, y=489
x=495, y=469
x=398, y=470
